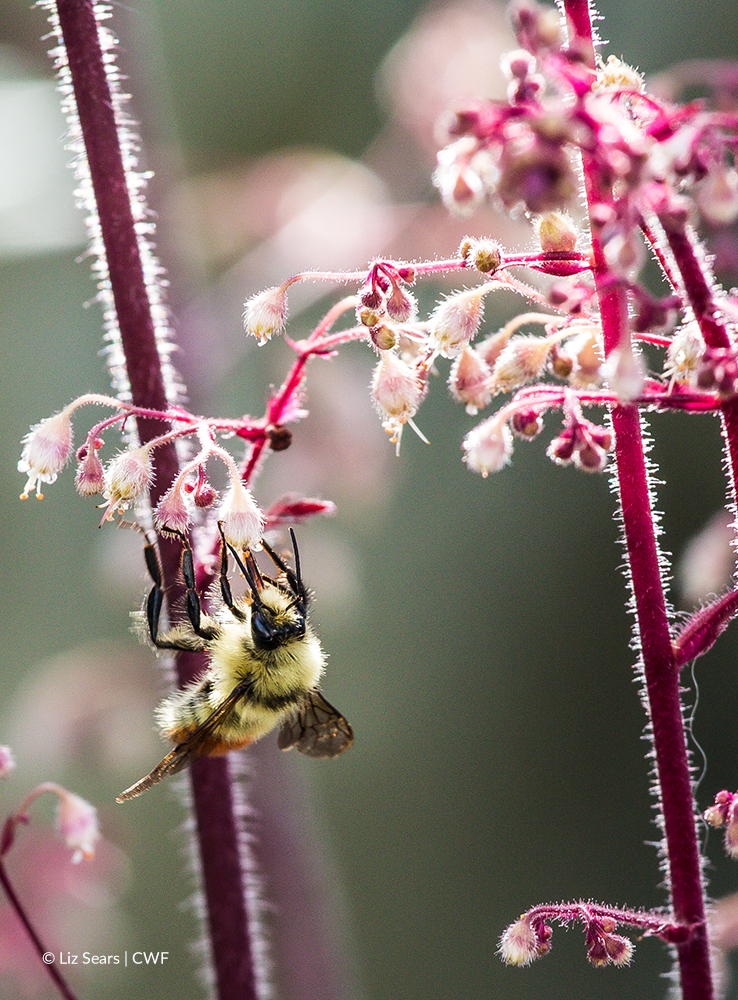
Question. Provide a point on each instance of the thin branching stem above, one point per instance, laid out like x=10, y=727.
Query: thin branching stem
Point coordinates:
x=59, y=982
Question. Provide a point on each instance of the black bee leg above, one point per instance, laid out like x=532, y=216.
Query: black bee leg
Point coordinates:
x=225, y=587
x=194, y=608
x=155, y=599
x=156, y=594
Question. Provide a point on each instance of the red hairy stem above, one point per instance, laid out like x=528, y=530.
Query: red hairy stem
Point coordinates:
x=216, y=823
x=661, y=675
x=38, y=945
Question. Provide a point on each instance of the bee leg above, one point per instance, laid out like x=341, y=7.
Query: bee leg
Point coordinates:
x=225, y=587
x=155, y=599
x=156, y=594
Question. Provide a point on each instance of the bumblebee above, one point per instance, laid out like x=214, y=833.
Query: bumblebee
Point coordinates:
x=265, y=664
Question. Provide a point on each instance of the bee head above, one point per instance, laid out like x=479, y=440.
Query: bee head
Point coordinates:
x=276, y=617
x=278, y=609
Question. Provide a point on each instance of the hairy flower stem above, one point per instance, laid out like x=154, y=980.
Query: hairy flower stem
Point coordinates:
x=661, y=676
x=217, y=825
x=38, y=945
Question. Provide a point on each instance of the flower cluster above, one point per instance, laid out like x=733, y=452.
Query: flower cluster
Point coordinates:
x=529, y=937
x=125, y=480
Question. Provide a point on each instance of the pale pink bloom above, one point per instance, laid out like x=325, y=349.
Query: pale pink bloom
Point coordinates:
x=266, y=313
x=243, y=522
x=455, y=321
x=173, y=510
x=46, y=448
x=90, y=478
x=77, y=823
x=488, y=446
x=518, y=944
x=7, y=761
x=469, y=380
x=127, y=477
x=396, y=388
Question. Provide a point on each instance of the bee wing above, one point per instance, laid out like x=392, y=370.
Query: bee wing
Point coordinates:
x=317, y=729
x=189, y=748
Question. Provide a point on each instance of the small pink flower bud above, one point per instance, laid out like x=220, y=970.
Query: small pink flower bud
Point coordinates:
x=127, y=478
x=7, y=761
x=372, y=299
x=77, y=822
x=243, y=522
x=266, y=313
x=561, y=449
x=469, y=381
x=455, y=321
x=556, y=233
x=400, y=305
x=484, y=255
x=90, y=478
x=370, y=315
x=205, y=496
x=488, y=446
x=521, y=361
x=520, y=944
x=173, y=512
x=527, y=423
x=396, y=389
x=383, y=337
x=619, y=949
x=46, y=448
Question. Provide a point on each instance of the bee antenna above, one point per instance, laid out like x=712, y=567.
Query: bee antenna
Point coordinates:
x=298, y=575
x=293, y=577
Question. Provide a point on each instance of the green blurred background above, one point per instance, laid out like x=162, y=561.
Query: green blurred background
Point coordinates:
x=477, y=630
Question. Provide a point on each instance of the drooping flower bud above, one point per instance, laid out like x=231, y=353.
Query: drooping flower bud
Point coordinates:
x=7, y=761
x=173, y=512
x=455, y=321
x=521, y=361
x=265, y=314
x=469, y=381
x=484, y=255
x=400, y=305
x=127, y=478
x=243, y=522
x=46, y=448
x=488, y=446
x=77, y=822
x=396, y=389
x=90, y=478
x=556, y=233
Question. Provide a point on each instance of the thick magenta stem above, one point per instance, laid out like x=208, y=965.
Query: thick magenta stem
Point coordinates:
x=661, y=675
x=216, y=823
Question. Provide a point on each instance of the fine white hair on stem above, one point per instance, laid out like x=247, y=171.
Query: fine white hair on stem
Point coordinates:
x=144, y=226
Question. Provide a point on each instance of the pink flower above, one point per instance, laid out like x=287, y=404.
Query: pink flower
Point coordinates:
x=266, y=313
x=7, y=761
x=173, y=510
x=243, y=522
x=127, y=477
x=46, y=448
x=77, y=823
